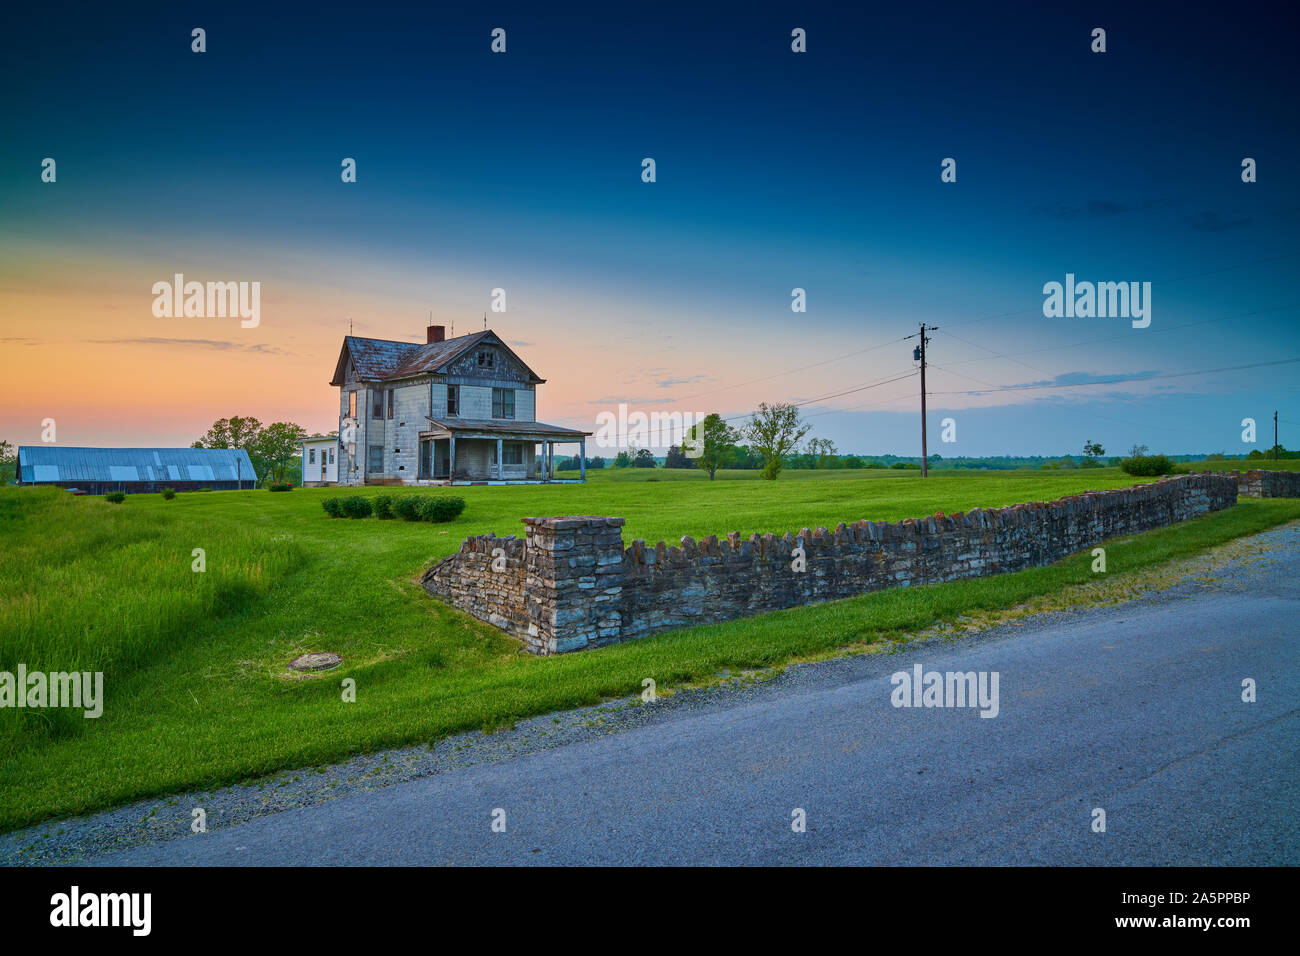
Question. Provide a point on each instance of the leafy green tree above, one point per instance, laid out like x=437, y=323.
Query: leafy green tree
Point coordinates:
x=823, y=453
x=715, y=440
x=676, y=458
x=644, y=459
x=233, y=432
x=774, y=431
x=276, y=447
x=740, y=457
x=8, y=462
x=273, y=448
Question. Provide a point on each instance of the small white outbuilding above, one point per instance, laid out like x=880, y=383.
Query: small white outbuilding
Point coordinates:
x=320, y=461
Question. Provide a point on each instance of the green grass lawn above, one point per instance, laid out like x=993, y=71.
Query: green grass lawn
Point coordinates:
x=197, y=692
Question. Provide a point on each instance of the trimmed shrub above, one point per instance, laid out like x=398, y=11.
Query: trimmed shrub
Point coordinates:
x=409, y=507
x=1147, y=466
x=442, y=508
x=355, y=506
x=169, y=493
x=281, y=486
x=203, y=489
x=333, y=507
x=383, y=506
x=117, y=497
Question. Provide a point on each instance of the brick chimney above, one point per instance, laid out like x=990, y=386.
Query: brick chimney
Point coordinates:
x=435, y=333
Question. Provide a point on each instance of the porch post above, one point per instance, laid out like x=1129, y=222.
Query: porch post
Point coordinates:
x=550, y=461
x=501, y=471
x=582, y=458
x=451, y=459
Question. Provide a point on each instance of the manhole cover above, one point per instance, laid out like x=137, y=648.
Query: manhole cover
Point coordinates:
x=315, y=662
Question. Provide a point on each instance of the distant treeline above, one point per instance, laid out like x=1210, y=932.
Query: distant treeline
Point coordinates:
x=743, y=458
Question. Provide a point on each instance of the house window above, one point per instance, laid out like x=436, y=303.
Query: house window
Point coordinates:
x=311, y=456
x=378, y=406
x=391, y=393
x=453, y=399
x=486, y=359
x=503, y=403
x=331, y=456
x=512, y=453
x=376, y=458
x=352, y=404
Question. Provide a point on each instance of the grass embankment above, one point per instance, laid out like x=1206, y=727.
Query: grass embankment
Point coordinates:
x=197, y=694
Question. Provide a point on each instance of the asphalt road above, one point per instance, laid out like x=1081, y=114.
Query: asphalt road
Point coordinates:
x=1135, y=709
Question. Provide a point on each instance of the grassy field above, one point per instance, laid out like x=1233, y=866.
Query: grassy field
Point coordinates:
x=197, y=692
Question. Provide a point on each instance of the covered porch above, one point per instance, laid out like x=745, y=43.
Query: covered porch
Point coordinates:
x=464, y=451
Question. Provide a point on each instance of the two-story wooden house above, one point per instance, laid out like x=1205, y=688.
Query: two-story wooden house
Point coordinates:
x=450, y=410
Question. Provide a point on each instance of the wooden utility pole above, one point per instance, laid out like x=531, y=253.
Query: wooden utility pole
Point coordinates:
x=1275, y=448
x=925, y=468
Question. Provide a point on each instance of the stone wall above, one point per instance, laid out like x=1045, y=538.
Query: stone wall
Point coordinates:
x=558, y=590
x=571, y=584
x=1268, y=484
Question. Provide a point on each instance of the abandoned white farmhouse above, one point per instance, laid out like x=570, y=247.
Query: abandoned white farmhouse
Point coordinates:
x=448, y=411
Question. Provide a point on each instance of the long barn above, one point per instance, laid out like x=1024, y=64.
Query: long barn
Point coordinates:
x=98, y=471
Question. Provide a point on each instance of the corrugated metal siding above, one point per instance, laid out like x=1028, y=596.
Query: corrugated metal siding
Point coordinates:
x=54, y=463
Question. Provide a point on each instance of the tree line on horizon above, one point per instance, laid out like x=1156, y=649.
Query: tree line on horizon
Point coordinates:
x=769, y=443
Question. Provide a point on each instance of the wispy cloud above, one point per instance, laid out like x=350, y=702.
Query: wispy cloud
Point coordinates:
x=613, y=401
x=214, y=344
x=1101, y=208
x=1104, y=207
x=689, y=380
x=1210, y=221
x=1089, y=378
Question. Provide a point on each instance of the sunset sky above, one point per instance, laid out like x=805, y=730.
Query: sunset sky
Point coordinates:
x=775, y=170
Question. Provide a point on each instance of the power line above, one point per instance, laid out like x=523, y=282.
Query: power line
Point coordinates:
x=1078, y=411
x=824, y=398
x=802, y=368
x=881, y=345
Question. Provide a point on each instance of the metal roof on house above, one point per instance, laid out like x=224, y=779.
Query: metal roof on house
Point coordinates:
x=383, y=359
x=37, y=463
x=497, y=426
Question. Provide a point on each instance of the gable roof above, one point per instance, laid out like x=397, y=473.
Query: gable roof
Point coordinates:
x=38, y=463
x=380, y=360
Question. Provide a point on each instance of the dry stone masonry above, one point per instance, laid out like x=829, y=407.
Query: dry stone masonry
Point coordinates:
x=571, y=584
x=1268, y=484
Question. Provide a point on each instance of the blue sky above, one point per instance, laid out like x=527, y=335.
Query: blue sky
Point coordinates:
x=775, y=170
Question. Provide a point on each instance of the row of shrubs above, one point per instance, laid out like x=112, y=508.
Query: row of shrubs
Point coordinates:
x=407, y=507
x=117, y=497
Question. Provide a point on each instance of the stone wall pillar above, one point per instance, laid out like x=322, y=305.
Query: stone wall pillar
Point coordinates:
x=574, y=582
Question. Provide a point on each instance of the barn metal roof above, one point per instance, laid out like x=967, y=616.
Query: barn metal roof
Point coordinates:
x=37, y=463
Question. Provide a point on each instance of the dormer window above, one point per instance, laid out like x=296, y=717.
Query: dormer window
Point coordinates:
x=486, y=359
